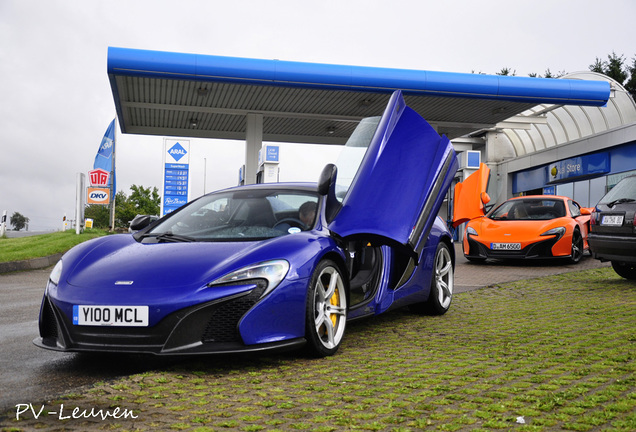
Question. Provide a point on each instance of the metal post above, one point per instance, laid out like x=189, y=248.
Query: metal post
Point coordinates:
x=3, y=224
x=80, y=192
x=113, y=192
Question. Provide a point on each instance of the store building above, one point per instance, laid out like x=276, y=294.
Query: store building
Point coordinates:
x=575, y=151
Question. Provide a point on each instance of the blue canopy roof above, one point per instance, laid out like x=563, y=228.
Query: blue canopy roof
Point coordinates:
x=159, y=92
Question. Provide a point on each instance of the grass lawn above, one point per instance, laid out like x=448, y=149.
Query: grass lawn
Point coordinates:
x=23, y=248
x=550, y=354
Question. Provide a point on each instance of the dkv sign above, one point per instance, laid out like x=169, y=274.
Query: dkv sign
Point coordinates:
x=98, y=196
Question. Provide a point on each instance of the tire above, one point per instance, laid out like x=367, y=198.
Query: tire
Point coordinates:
x=626, y=270
x=577, y=250
x=326, y=310
x=442, y=284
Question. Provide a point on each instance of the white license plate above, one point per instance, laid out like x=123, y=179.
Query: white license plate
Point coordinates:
x=122, y=316
x=505, y=246
x=613, y=220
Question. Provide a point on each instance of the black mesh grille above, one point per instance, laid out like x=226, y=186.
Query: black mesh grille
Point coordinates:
x=223, y=325
x=48, y=324
x=542, y=249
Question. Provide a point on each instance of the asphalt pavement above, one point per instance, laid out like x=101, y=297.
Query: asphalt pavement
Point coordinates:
x=471, y=275
x=29, y=374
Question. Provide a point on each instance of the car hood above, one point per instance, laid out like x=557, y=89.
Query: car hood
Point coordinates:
x=506, y=231
x=121, y=261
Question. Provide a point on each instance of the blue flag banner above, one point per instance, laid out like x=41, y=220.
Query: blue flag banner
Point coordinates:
x=104, y=157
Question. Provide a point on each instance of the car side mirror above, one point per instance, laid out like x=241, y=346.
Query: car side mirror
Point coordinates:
x=485, y=198
x=140, y=222
x=586, y=211
x=327, y=188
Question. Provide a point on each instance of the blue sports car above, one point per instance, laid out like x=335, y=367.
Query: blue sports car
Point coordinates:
x=270, y=266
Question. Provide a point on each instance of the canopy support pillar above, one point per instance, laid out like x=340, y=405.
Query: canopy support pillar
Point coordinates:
x=253, y=143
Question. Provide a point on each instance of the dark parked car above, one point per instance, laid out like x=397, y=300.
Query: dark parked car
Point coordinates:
x=612, y=234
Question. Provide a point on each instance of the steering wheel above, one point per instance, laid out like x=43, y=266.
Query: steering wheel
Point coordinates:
x=291, y=221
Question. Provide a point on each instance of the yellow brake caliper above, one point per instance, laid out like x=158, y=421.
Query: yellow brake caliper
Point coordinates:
x=335, y=301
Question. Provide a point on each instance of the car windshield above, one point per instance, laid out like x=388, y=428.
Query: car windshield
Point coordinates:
x=239, y=215
x=624, y=191
x=529, y=209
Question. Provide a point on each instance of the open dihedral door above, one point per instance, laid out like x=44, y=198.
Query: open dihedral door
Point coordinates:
x=401, y=182
x=470, y=197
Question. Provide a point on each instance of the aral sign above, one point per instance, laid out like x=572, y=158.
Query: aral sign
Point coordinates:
x=176, y=173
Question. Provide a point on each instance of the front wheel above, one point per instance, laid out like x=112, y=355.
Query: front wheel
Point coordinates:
x=626, y=270
x=442, y=284
x=326, y=311
x=577, y=247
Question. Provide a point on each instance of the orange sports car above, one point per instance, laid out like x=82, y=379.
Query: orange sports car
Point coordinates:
x=538, y=226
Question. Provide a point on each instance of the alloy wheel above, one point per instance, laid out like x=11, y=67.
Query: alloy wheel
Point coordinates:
x=444, y=277
x=330, y=307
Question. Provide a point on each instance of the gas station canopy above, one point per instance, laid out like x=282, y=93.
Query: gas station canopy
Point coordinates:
x=205, y=96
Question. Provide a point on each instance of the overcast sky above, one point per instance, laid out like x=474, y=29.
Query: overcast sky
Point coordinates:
x=56, y=101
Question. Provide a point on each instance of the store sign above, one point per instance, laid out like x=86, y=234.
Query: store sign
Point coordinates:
x=581, y=166
x=549, y=190
x=269, y=154
x=98, y=196
x=99, y=177
x=176, y=174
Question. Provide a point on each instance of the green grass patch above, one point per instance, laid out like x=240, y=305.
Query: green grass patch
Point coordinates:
x=551, y=354
x=38, y=246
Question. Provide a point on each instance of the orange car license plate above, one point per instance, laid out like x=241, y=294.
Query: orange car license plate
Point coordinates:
x=505, y=246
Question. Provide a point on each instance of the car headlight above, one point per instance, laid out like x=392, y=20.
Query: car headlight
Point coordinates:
x=471, y=231
x=273, y=271
x=56, y=273
x=559, y=231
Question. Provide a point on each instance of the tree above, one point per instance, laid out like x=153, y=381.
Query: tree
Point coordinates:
x=145, y=200
x=506, y=71
x=124, y=210
x=597, y=66
x=616, y=68
x=141, y=201
x=100, y=215
x=18, y=221
x=550, y=74
x=630, y=84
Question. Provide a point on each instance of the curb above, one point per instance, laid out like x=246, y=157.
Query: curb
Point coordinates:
x=31, y=264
